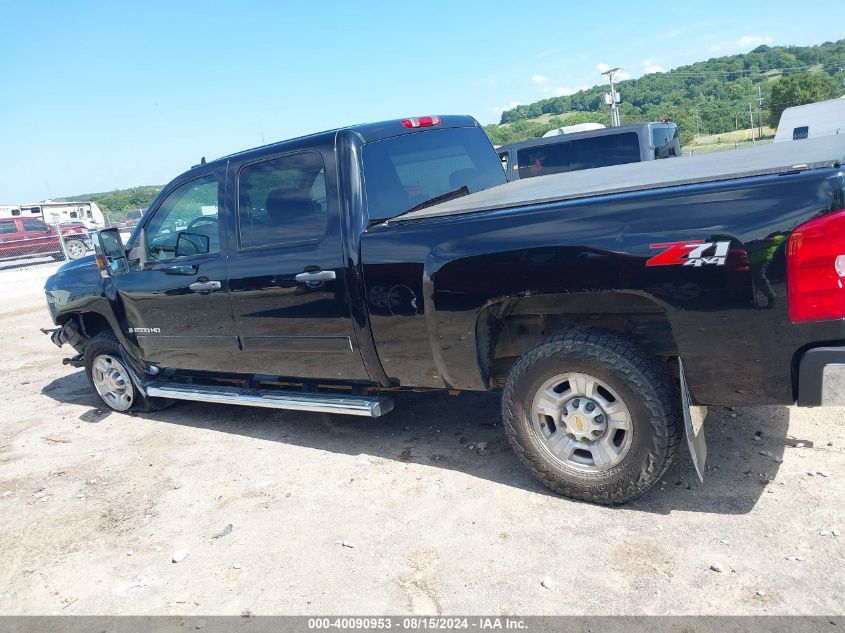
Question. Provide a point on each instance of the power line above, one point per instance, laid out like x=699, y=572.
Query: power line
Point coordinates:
x=748, y=73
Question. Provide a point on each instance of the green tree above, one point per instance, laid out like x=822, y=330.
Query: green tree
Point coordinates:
x=797, y=90
x=710, y=96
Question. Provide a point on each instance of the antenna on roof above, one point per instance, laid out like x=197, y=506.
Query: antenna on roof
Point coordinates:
x=202, y=160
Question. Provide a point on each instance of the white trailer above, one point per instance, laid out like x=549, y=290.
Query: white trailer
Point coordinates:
x=812, y=120
x=88, y=213
x=572, y=129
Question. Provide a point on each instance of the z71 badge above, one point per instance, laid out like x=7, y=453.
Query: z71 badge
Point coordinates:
x=696, y=253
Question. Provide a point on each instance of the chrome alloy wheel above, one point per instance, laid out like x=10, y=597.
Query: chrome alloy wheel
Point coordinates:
x=112, y=382
x=581, y=422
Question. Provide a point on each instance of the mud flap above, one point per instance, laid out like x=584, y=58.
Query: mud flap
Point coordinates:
x=135, y=369
x=693, y=425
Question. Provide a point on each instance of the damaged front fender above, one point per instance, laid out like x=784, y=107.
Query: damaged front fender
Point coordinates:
x=70, y=333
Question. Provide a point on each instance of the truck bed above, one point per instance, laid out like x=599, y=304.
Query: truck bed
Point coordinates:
x=740, y=163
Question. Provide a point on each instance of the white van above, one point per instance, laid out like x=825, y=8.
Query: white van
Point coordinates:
x=812, y=120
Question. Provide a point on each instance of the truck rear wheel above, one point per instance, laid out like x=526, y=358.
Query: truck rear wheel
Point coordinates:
x=111, y=380
x=593, y=416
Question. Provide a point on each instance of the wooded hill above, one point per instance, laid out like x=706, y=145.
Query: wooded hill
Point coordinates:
x=116, y=203
x=708, y=97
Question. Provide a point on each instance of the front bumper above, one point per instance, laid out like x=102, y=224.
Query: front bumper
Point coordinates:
x=821, y=377
x=68, y=333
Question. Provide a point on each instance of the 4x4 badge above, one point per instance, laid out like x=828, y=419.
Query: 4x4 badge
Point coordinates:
x=691, y=253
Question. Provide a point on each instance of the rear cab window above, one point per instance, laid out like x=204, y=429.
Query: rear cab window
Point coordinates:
x=404, y=171
x=664, y=140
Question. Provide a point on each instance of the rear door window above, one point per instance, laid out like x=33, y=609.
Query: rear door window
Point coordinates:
x=34, y=225
x=800, y=133
x=405, y=171
x=7, y=228
x=553, y=158
x=283, y=201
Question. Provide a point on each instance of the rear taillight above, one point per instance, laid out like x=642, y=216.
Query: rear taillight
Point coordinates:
x=815, y=269
x=421, y=121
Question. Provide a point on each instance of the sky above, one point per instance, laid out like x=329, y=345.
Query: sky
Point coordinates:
x=96, y=96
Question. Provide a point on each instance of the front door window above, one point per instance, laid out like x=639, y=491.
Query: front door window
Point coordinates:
x=186, y=223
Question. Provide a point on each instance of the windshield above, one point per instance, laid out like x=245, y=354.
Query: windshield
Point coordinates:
x=407, y=171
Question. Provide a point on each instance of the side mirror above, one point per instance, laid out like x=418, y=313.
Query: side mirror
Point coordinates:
x=192, y=244
x=110, y=253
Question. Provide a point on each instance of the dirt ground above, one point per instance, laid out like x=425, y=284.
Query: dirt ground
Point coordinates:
x=423, y=511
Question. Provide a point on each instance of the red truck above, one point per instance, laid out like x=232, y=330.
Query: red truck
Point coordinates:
x=32, y=237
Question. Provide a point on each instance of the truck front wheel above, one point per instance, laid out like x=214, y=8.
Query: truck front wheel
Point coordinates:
x=592, y=415
x=111, y=380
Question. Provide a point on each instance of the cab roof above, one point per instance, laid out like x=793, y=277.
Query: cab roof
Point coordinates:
x=367, y=132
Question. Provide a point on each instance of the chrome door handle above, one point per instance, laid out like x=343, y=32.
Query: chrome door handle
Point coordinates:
x=180, y=270
x=315, y=276
x=205, y=287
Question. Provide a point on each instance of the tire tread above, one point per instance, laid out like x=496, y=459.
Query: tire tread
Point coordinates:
x=643, y=372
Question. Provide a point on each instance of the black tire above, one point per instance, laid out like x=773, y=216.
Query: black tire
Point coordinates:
x=640, y=379
x=105, y=344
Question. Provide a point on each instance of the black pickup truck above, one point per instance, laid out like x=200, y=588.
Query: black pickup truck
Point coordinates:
x=610, y=306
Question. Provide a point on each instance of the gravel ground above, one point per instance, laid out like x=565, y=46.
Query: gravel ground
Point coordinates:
x=424, y=511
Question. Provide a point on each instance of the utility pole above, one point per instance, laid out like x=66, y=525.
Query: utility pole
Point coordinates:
x=760, y=111
x=612, y=98
x=751, y=116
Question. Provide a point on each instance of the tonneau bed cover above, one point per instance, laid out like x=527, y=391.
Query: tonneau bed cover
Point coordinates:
x=776, y=158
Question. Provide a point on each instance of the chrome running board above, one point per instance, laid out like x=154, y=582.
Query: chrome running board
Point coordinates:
x=370, y=406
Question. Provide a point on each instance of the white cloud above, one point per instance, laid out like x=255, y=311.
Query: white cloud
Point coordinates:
x=650, y=65
x=753, y=41
x=602, y=67
x=672, y=33
x=562, y=91
x=510, y=106
x=539, y=80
